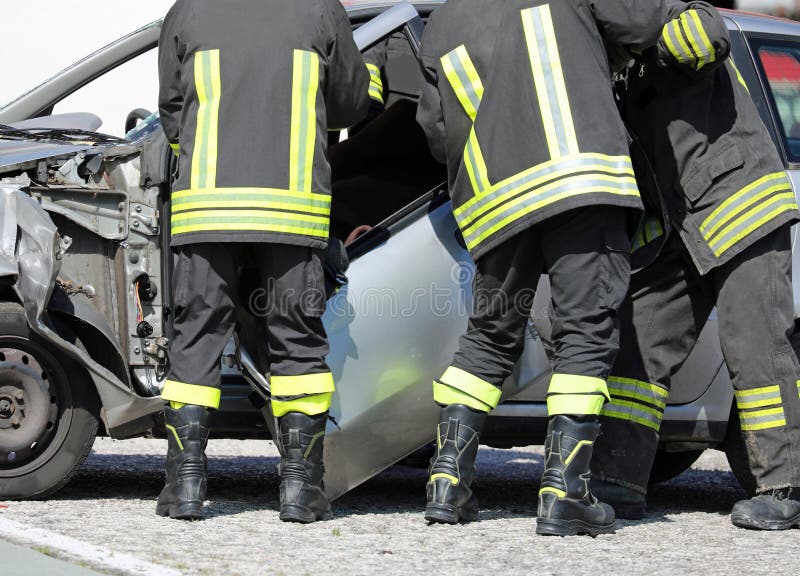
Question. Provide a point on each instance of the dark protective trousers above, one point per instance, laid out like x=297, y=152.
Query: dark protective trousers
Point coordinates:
x=668, y=305
x=585, y=253
x=290, y=301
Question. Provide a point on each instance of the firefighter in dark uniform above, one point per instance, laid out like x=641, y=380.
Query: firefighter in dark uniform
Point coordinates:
x=720, y=207
x=248, y=89
x=520, y=105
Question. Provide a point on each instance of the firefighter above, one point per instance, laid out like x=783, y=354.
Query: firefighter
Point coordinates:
x=519, y=104
x=248, y=89
x=717, y=234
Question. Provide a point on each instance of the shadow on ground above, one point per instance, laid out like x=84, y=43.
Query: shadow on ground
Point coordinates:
x=506, y=487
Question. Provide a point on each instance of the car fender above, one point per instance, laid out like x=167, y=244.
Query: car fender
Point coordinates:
x=31, y=252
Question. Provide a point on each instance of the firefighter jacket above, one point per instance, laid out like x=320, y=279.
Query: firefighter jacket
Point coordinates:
x=248, y=90
x=721, y=182
x=518, y=102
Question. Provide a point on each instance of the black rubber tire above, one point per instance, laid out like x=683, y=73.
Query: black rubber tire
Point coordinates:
x=667, y=465
x=60, y=460
x=736, y=453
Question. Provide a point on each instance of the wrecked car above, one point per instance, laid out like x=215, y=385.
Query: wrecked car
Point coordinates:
x=85, y=296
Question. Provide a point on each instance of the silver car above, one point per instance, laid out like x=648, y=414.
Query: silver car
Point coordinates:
x=85, y=311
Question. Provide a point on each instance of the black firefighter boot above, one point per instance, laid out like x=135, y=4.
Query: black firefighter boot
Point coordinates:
x=772, y=510
x=187, y=436
x=302, y=493
x=566, y=507
x=450, y=499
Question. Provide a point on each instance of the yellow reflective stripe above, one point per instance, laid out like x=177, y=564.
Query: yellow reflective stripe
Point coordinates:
x=249, y=216
x=375, y=82
x=742, y=199
x=637, y=390
x=744, y=225
x=548, y=77
x=758, y=397
x=699, y=38
x=255, y=198
x=762, y=419
x=633, y=412
x=310, y=405
x=575, y=450
x=677, y=33
x=653, y=229
x=475, y=164
x=472, y=385
x=556, y=491
x=208, y=86
x=463, y=77
x=305, y=84
x=536, y=175
x=304, y=384
x=176, y=148
x=176, y=405
x=668, y=34
x=453, y=479
x=269, y=225
x=445, y=395
x=738, y=74
x=574, y=404
x=575, y=384
x=531, y=201
x=191, y=394
x=171, y=428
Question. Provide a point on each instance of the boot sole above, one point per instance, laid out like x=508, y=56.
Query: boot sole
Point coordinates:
x=743, y=521
x=302, y=514
x=553, y=527
x=448, y=514
x=190, y=511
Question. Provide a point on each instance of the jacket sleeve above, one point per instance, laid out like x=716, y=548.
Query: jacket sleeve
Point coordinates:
x=635, y=24
x=429, y=111
x=171, y=51
x=347, y=80
x=695, y=37
x=375, y=59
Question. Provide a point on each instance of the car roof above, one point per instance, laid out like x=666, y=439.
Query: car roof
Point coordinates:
x=760, y=23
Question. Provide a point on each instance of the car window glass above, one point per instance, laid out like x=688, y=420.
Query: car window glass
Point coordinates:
x=113, y=95
x=780, y=65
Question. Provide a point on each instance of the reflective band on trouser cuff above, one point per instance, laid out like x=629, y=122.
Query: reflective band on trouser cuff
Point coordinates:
x=636, y=401
x=208, y=84
x=758, y=397
x=548, y=78
x=308, y=393
x=633, y=412
x=464, y=79
x=310, y=405
x=574, y=394
x=305, y=85
x=305, y=384
x=457, y=386
x=191, y=394
x=746, y=210
x=375, y=83
x=762, y=419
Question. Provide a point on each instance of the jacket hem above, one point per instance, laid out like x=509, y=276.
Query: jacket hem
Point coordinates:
x=247, y=237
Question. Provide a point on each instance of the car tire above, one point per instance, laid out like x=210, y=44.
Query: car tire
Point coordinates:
x=48, y=412
x=736, y=453
x=667, y=465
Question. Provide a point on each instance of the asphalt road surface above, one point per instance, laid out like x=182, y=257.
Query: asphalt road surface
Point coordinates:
x=104, y=521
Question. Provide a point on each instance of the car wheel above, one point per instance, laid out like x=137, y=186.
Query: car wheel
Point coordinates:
x=48, y=412
x=667, y=465
x=736, y=453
